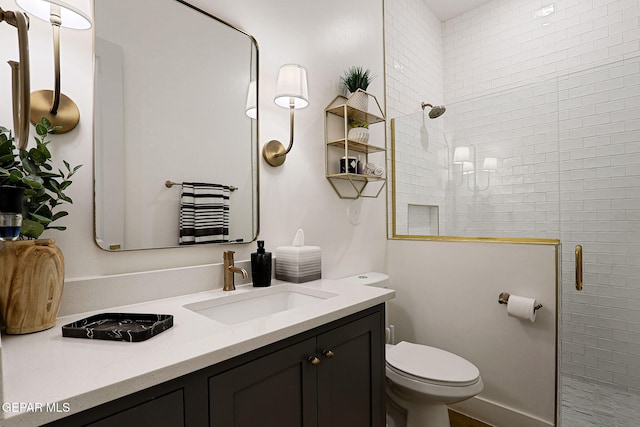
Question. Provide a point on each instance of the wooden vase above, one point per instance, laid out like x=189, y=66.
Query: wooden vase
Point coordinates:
x=31, y=284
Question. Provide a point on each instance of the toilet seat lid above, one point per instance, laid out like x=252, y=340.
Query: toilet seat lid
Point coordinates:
x=432, y=364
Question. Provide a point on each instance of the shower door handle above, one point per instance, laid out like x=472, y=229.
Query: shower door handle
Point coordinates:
x=578, y=267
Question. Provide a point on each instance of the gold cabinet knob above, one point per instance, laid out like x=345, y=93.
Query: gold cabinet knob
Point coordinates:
x=313, y=360
x=327, y=353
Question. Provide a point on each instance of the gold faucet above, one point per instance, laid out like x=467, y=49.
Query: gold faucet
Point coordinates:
x=230, y=270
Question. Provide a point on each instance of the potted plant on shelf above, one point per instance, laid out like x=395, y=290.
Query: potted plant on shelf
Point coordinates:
x=32, y=271
x=354, y=78
x=359, y=131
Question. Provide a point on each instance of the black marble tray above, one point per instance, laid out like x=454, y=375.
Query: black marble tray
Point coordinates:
x=130, y=327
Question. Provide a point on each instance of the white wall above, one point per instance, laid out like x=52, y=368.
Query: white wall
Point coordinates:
x=326, y=38
x=447, y=292
x=447, y=297
x=503, y=44
x=414, y=57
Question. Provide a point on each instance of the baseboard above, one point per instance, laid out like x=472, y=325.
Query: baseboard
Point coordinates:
x=498, y=415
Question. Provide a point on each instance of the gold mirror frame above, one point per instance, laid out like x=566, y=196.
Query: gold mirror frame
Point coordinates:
x=247, y=187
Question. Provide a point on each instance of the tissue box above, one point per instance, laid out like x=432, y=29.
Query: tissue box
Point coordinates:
x=298, y=264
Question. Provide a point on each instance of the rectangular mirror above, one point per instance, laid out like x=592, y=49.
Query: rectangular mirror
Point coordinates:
x=170, y=104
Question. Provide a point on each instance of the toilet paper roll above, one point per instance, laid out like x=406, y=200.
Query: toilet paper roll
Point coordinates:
x=522, y=307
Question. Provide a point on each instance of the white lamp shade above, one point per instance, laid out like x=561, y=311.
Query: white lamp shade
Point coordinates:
x=461, y=155
x=490, y=164
x=73, y=14
x=291, y=85
x=252, y=100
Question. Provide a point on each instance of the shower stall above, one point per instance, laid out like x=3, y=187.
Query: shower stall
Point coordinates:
x=554, y=160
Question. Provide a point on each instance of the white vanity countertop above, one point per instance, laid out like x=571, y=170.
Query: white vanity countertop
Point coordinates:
x=45, y=368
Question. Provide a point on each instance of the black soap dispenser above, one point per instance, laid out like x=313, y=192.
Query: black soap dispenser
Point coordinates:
x=261, y=266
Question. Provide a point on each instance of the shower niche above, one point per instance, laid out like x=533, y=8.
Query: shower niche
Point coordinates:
x=423, y=220
x=355, y=158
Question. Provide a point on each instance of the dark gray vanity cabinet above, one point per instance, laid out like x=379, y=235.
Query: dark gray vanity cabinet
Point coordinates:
x=277, y=390
x=167, y=410
x=351, y=376
x=330, y=376
x=333, y=379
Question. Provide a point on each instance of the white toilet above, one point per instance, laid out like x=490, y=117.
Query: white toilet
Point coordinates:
x=423, y=380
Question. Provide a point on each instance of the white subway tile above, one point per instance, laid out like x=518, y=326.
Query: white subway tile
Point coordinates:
x=599, y=374
x=611, y=366
x=616, y=346
x=627, y=380
x=497, y=46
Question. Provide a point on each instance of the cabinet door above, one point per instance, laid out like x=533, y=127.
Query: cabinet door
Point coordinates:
x=276, y=390
x=351, y=375
x=167, y=410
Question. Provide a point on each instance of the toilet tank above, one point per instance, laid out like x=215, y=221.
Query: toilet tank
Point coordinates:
x=379, y=280
x=372, y=278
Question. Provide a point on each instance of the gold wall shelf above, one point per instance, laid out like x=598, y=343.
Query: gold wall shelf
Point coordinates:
x=351, y=185
x=352, y=112
x=356, y=146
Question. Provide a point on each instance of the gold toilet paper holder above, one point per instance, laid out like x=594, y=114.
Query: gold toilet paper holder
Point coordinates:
x=503, y=298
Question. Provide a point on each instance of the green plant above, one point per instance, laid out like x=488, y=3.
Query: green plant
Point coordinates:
x=356, y=77
x=353, y=123
x=31, y=169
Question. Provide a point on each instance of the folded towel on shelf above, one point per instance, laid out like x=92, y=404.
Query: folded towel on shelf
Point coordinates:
x=373, y=169
x=204, y=213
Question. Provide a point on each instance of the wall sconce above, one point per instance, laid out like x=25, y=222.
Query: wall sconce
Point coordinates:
x=20, y=77
x=490, y=164
x=462, y=156
x=292, y=92
x=54, y=105
x=466, y=158
x=252, y=100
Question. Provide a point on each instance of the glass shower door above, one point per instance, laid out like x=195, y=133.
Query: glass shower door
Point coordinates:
x=599, y=140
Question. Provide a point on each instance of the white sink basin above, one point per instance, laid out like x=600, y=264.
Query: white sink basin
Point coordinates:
x=234, y=307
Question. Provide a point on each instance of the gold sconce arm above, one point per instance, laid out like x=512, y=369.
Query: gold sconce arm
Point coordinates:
x=58, y=108
x=56, y=21
x=20, y=77
x=274, y=152
x=291, y=108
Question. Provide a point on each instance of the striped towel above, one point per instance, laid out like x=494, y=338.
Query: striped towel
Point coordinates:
x=204, y=213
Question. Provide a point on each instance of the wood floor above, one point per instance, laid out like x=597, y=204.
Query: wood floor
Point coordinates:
x=456, y=419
